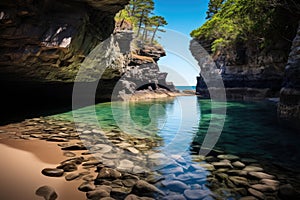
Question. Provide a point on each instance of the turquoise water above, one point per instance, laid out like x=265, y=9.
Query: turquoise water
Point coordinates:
x=251, y=129
x=181, y=88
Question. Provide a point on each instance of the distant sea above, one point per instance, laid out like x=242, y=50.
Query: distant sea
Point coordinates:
x=181, y=88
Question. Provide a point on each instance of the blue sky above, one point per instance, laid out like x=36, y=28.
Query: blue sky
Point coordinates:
x=182, y=16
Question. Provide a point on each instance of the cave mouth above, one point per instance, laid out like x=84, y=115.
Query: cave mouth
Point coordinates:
x=153, y=86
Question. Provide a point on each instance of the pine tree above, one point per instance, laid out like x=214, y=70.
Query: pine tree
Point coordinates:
x=143, y=10
x=157, y=21
x=213, y=7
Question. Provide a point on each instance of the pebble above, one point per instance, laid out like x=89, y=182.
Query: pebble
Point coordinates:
x=208, y=167
x=264, y=188
x=53, y=172
x=253, y=169
x=68, y=167
x=238, y=164
x=248, y=198
x=72, y=176
x=86, y=186
x=261, y=175
x=256, y=193
x=97, y=194
x=47, y=192
x=125, y=165
x=228, y=157
x=270, y=182
x=174, y=197
x=195, y=194
x=133, y=150
x=176, y=186
x=239, y=181
x=108, y=173
x=134, y=197
x=144, y=188
x=69, y=154
x=222, y=165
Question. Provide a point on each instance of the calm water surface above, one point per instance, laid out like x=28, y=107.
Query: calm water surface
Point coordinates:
x=251, y=129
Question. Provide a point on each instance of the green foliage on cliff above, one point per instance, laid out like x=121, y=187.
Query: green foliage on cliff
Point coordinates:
x=139, y=13
x=247, y=21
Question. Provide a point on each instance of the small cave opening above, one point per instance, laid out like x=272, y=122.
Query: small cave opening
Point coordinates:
x=153, y=86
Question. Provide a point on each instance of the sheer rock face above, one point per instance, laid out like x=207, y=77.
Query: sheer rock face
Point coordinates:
x=289, y=106
x=48, y=39
x=257, y=78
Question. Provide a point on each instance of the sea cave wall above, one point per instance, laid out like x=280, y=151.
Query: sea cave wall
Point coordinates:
x=45, y=43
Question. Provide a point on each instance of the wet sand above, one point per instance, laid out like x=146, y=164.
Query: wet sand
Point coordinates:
x=21, y=164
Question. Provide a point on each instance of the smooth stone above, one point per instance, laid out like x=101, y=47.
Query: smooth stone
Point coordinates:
x=228, y=157
x=190, y=176
x=97, y=194
x=68, y=167
x=237, y=180
x=235, y=172
x=261, y=175
x=97, y=131
x=69, y=154
x=222, y=176
x=124, y=145
x=88, y=178
x=47, y=192
x=53, y=172
x=195, y=194
x=72, y=176
x=176, y=186
x=77, y=161
x=111, y=156
x=86, y=187
x=154, y=178
x=222, y=165
x=264, y=188
x=125, y=165
x=174, y=170
x=248, y=198
x=101, y=148
x=129, y=182
x=133, y=150
x=138, y=170
x=134, y=197
x=238, y=164
x=174, y=197
x=256, y=193
x=108, y=173
x=253, y=169
x=208, y=167
x=144, y=188
x=270, y=182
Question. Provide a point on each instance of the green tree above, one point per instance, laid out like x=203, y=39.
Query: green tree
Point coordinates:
x=213, y=7
x=157, y=21
x=142, y=11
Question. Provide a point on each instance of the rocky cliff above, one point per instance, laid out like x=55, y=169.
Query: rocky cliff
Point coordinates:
x=289, y=106
x=43, y=45
x=252, y=79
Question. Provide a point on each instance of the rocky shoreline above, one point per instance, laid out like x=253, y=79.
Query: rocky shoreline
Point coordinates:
x=114, y=165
